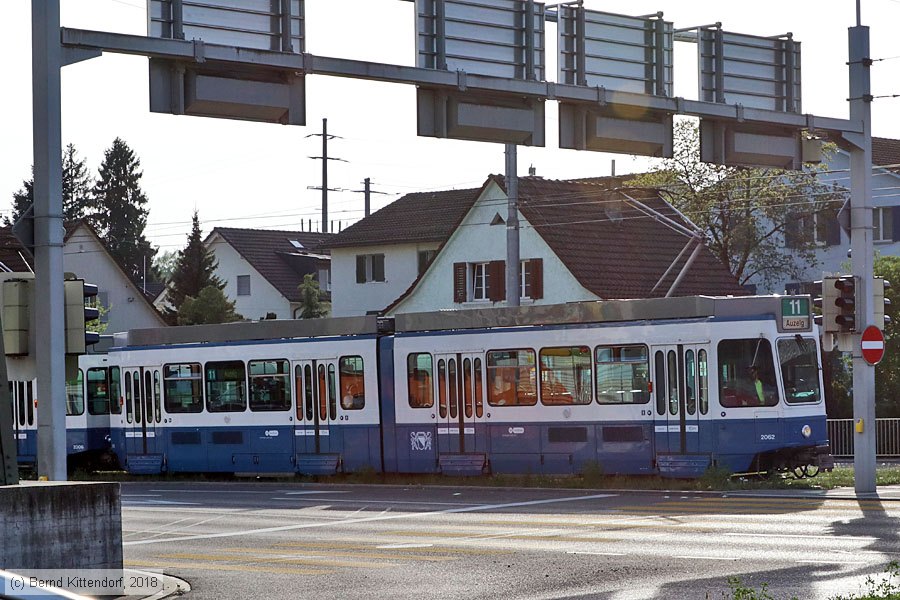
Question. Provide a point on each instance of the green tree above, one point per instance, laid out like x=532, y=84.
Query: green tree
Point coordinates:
x=754, y=218
x=165, y=263
x=76, y=189
x=120, y=210
x=195, y=269
x=210, y=306
x=311, y=307
x=887, y=372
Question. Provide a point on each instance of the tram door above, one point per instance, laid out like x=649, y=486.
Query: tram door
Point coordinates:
x=681, y=395
x=460, y=394
x=21, y=393
x=315, y=382
x=143, y=408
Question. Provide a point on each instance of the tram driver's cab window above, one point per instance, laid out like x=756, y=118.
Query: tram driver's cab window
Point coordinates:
x=746, y=373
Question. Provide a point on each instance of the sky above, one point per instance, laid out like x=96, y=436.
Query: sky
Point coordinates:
x=242, y=174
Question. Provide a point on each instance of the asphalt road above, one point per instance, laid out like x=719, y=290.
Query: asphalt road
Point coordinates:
x=259, y=540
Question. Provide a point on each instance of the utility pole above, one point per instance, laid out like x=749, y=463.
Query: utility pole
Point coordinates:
x=325, y=158
x=512, y=226
x=367, y=191
x=46, y=63
x=861, y=255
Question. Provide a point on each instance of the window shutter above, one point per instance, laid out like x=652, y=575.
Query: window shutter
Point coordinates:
x=895, y=220
x=832, y=229
x=360, y=268
x=537, y=278
x=378, y=267
x=459, y=282
x=496, y=281
x=792, y=229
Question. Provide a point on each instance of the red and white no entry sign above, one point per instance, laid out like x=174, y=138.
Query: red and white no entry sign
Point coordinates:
x=872, y=345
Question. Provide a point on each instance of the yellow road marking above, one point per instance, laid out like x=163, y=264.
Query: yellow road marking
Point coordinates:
x=245, y=568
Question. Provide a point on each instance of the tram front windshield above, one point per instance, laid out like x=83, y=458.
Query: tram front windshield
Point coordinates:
x=799, y=369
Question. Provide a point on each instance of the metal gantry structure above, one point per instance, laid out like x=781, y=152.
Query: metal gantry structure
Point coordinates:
x=480, y=75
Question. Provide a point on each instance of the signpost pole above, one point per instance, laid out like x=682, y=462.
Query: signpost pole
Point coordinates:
x=861, y=258
x=512, y=227
x=50, y=350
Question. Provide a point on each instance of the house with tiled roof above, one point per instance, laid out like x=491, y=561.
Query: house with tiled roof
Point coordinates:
x=125, y=303
x=579, y=240
x=832, y=241
x=263, y=269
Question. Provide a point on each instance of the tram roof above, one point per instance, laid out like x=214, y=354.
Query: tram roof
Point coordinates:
x=600, y=311
x=683, y=307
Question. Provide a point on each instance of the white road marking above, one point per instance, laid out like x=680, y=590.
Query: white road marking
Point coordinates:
x=403, y=546
x=382, y=501
x=596, y=553
x=467, y=509
x=862, y=538
x=831, y=562
x=705, y=557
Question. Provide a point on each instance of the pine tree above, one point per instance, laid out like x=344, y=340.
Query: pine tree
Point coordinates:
x=120, y=210
x=195, y=269
x=76, y=189
x=210, y=306
x=311, y=307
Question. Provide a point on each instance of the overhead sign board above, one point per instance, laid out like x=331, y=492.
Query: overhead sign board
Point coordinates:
x=276, y=25
x=205, y=88
x=617, y=52
x=501, y=38
x=756, y=72
x=747, y=145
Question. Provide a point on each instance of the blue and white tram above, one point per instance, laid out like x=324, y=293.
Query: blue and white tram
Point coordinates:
x=281, y=405
x=641, y=392
x=89, y=402
x=664, y=386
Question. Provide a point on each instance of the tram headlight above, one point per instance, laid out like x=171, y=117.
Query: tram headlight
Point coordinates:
x=806, y=431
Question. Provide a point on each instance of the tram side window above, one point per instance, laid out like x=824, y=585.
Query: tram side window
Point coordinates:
x=129, y=405
x=623, y=373
x=566, y=375
x=270, y=387
x=799, y=369
x=183, y=388
x=225, y=386
x=511, y=378
x=75, y=395
x=746, y=373
x=419, y=375
x=21, y=401
x=98, y=391
x=353, y=387
x=115, y=391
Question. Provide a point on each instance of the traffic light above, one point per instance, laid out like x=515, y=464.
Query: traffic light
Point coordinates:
x=845, y=303
x=838, y=304
x=880, y=303
x=78, y=314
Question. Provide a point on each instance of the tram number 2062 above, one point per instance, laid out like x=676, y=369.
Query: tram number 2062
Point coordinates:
x=767, y=437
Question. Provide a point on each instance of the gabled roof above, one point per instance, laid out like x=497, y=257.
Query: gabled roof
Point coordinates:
x=147, y=296
x=614, y=248
x=886, y=151
x=417, y=217
x=609, y=243
x=13, y=256
x=279, y=256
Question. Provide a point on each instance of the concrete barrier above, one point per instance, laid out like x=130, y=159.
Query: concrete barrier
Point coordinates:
x=49, y=525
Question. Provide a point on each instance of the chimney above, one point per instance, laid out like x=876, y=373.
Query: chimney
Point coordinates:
x=532, y=171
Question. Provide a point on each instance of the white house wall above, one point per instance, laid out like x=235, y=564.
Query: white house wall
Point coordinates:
x=833, y=259
x=84, y=256
x=478, y=241
x=401, y=266
x=264, y=298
